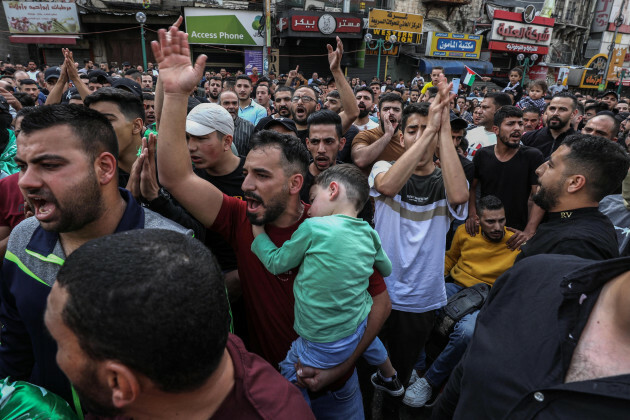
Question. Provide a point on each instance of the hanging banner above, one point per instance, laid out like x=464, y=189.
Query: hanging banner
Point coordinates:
x=253, y=58
x=29, y=17
x=616, y=64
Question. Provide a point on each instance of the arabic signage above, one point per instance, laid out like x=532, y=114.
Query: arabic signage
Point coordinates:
x=510, y=33
x=253, y=58
x=616, y=64
x=326, y=24
x=537, y=73
x=591, y=79
x=223, y=27
x=29, y=17
x=395, y=21
x=308, y=24
x=447, y=44
x=601, y=15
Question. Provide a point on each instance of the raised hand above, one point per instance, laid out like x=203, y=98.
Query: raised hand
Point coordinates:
x=172, y=53
x=294, y=73
x=334, y=57
x=149, y=187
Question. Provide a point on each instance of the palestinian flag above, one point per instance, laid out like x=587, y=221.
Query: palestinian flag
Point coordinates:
x=469, y=76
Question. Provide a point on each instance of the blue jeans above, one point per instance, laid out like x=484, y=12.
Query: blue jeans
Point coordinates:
x=343, y=404
x=457, y=342
x=328, y=355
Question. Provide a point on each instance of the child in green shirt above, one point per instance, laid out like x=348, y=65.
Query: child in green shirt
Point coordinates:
x=331, y=298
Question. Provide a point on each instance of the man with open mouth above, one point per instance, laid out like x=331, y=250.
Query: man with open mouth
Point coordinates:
x=67, y=155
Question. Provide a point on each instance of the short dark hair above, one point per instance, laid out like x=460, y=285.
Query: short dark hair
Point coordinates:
x=352, y=178
x=389, y=97
x=24, y=98
x=597, y=106
x=217, y=78
x=540, y=83
x=500, y=99
x=489, y=202
x=531, y=109
x=130, y=105
x=310, y=88
x=506, y=111
x=438, y=68
x=294, y=153
x=259, y=85
x=325, y=117
x=421, y=108
x=517, y=70
x=243, y=77
x=176, y=299
x=604, y=163
x=146, y=96
x=285, y=89
x=333, y=94
x=365, y=89
x=432, y=91
x=93, y=129
x=27, y=82
x=567, y=94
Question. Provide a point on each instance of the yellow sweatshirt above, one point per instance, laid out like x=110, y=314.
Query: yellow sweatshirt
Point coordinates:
x=476, y=259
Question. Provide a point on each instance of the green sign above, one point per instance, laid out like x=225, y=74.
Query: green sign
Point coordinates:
x=223, y=27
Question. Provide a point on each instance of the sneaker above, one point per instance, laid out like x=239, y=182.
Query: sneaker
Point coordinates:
x=393, y=387
x=418, y=394
x=414, y=377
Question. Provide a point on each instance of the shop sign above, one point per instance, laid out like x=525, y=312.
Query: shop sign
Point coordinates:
x=616, y=64
x=601, y=15
x=253, y=58
x=537, y=73
x=401, y=37
x=447, y=44
x=511, y=33
x=40, y=18
x=326, y=24
x=395, y=21
x=591, y=79
x=274, y=61
x=223, y=27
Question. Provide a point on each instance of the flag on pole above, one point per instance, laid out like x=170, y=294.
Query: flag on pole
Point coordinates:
x=469, y=76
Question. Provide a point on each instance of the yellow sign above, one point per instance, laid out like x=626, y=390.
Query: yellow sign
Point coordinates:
x=616, y=64
x=591, y=79
x=447, y=44
x=395, y=21
x=402, y=37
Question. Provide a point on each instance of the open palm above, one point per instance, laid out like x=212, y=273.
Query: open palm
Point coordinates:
x=172, y=53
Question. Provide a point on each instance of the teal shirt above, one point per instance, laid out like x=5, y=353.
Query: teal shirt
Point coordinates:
x=337, y=255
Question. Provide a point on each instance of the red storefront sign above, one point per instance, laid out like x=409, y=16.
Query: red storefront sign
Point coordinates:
x=301, y=23
x=511, y=33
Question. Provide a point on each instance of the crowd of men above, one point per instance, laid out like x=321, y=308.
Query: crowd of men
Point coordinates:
x=131, y=284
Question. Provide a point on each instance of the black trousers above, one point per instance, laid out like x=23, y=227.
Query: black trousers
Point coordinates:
x=404, y=335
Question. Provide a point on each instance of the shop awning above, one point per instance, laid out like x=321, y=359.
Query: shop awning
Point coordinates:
x=455, y=67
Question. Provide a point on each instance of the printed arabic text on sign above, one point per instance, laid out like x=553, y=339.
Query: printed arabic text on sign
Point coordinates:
x=385, y=19
x=447, y=44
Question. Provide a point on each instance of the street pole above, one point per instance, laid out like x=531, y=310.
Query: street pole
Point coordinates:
x=142, y=18
x=527, y=63
x=611, y=49
x=380, y=45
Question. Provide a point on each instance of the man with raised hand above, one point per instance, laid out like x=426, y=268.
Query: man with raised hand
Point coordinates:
x=274, y=171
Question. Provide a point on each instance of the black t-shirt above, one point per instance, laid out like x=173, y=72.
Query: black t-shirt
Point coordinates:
x=230, y=184
x=542, y=140
x=510, y=181
x=585, y=233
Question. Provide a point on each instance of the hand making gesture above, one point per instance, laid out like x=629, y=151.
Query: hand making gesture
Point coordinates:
x=172, y=53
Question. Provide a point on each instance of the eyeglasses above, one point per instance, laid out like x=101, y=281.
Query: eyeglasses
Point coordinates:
x=305, y=99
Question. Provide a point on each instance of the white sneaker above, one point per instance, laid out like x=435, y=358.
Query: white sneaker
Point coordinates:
x=414, y=377
x=418, y=394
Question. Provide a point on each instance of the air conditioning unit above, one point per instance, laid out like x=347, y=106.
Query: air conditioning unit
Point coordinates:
x=314, y=5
